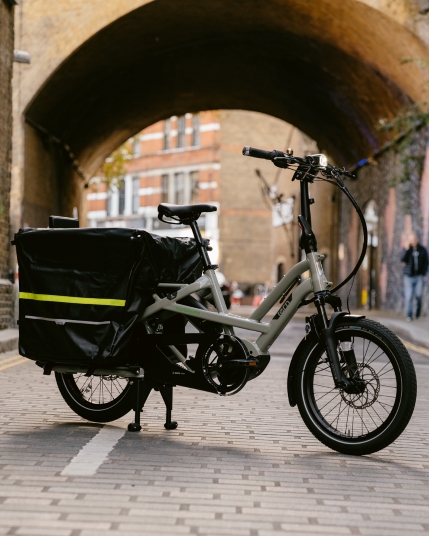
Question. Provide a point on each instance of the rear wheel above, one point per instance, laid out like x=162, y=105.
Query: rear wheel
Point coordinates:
x=369, y=421
x=96, y=398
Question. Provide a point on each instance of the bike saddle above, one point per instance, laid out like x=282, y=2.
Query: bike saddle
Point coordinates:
x=183, y=212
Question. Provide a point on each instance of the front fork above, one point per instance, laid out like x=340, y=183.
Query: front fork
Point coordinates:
x=327, y=336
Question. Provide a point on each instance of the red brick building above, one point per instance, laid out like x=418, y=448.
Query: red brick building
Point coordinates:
x=196, y=158
x=173, y=161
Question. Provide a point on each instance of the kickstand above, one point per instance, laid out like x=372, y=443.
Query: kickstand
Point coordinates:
x=167, y=395
x=143, y=390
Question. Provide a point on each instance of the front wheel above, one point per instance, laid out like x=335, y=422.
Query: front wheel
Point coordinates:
x=96, y=398
x=357, y=423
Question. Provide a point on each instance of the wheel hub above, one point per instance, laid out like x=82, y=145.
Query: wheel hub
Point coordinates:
x=367, y=387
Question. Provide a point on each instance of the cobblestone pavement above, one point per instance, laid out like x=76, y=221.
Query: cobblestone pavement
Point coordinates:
x=244, y=465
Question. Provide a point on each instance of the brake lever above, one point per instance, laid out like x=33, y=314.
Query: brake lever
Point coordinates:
x=282, y=162
x=334, y=172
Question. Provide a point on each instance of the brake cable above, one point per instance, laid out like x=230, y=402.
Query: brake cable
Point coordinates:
x=340, y=184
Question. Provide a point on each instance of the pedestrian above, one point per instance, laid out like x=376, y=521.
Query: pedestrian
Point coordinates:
x=237, y=294
x=415, y=261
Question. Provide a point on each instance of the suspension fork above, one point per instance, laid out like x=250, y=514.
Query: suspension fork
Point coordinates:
x=350, y=358
x=327, y=335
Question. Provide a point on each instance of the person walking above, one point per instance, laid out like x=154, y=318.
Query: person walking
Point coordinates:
x=415, y=261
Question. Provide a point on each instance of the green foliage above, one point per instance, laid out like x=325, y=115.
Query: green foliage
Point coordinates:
x=421, y=63
x=403, y=127
x=411, y=117
x=401, y=132
x=113, y=169
x=405, y=121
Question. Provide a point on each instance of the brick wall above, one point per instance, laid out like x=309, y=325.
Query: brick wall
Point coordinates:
x=403, y=207
x=251, y=248
x=6, y=62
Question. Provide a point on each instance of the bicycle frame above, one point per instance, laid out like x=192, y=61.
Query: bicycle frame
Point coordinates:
x=174, y=293
x=269, y=332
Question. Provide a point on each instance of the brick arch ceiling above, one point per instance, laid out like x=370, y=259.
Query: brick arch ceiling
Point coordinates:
x=331, y=67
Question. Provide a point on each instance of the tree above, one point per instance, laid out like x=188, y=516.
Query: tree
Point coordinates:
x=113, y=169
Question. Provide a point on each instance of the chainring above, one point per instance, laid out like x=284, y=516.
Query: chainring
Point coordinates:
x=226, y=379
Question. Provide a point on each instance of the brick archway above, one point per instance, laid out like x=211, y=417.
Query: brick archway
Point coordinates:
x=330, y=68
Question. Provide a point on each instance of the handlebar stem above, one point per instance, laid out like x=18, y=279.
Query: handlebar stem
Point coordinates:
x=305, y=201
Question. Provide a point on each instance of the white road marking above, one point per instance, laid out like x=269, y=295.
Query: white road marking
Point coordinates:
x=94, y=453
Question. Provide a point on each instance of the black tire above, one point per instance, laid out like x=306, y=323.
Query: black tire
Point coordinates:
x=364, y=423
x=96, y=398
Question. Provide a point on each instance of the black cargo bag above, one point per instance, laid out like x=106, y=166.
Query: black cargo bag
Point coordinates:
x=82, y=290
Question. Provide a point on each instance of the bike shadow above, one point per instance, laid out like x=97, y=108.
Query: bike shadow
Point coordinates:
x=154, y=446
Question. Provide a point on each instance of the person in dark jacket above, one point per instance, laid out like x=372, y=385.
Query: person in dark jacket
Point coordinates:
x=415, y=261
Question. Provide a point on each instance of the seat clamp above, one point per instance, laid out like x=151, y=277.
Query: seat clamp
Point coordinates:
x=211, y=267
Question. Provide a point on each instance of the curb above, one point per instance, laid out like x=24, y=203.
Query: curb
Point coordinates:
x=402, y=331
x=8, y=340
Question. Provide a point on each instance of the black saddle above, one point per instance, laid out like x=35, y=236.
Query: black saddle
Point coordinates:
x=183, y=213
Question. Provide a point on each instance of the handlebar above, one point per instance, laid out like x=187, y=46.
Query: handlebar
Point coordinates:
x=284, y=160
x=261, y=153
x=308, y=168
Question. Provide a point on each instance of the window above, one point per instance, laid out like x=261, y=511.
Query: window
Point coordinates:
x=165, y=179
x=193, y=180
x=136, y=147
x=179, y=188
x=121, y=197
x=109, y=203
x=136, y=197
x=196, y=138
x=181, y=131
x=166, y=134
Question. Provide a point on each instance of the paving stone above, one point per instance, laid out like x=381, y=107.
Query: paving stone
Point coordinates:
x=243, y=465
x=43, y=532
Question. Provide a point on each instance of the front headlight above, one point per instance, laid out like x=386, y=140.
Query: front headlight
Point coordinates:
x=323, y=161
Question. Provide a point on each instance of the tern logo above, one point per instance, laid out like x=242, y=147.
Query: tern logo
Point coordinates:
x=283, y=308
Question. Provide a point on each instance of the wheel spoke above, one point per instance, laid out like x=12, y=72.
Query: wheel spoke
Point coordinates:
x=326, y=394
x=336, y=394
x=100, y=390
x=371, y=359
x=376, y=377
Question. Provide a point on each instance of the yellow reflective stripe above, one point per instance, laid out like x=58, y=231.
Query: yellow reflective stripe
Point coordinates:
x=71, y=299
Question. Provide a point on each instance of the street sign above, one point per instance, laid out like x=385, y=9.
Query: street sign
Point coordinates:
x=283, y=212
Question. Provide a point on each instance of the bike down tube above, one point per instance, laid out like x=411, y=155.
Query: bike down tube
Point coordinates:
x=274, y=296
x=284, y=315
x=316, y=283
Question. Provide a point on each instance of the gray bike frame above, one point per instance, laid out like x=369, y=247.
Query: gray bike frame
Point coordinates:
x=269, y=332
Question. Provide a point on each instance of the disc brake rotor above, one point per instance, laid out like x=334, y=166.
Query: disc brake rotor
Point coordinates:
x=372, y=388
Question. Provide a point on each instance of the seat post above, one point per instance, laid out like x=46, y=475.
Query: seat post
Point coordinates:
x=201, y=245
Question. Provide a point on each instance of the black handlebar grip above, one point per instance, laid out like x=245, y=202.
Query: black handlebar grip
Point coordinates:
x=259, y=153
